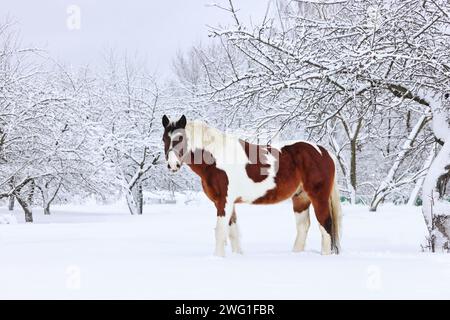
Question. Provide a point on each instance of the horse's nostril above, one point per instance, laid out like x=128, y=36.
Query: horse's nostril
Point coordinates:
x=168, y=166
x=178, y=165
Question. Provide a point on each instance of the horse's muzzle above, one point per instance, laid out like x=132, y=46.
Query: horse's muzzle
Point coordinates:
x=174, y=168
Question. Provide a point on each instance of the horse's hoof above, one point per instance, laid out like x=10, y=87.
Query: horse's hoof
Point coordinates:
x=219, y=254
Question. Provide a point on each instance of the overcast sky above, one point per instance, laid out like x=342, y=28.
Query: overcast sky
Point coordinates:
x=155, y=29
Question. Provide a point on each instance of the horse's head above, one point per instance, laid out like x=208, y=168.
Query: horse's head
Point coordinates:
x=175, y=142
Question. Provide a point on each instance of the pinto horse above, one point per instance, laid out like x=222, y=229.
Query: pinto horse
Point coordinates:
x=235, y=171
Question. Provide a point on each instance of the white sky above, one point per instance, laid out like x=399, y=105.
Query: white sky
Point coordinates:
x=154, y=29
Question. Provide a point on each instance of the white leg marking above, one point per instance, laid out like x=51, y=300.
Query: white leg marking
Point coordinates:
x=235, y=239
x=222, y=230
x=221, y=236
x=326, y=241
x=302, y=221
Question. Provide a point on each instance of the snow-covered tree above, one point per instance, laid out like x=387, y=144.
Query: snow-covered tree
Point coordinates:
x=337, y=69
x=128, y=113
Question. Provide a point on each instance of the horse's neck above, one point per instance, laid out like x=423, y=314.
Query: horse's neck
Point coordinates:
x=203, y=164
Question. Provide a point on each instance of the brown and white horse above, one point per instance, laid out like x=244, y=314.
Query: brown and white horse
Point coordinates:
x=235, y=171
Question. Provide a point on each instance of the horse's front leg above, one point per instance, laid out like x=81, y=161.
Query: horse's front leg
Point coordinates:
x=222, y=225
x=234, y=234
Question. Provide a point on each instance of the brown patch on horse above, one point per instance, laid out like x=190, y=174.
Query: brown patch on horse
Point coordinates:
x=300, y=164
x=317, y=176
x=258, y=156
x=214, y=180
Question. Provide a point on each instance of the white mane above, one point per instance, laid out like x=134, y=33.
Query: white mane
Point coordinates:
x=225, y=148
x=200, y=135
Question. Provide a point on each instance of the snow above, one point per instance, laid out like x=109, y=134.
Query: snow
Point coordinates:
x=7, y=218
x=100, y=251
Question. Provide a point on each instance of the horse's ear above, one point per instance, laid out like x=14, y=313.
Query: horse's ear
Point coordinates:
x=182, y=122
x=165, y=121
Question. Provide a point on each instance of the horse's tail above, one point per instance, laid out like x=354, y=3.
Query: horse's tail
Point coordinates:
x=336, y=216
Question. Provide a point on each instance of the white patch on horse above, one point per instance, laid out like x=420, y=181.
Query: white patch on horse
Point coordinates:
x=221, y=236
x=230, y=157
x=172, y=159
x=326, y=241
x=235, y=238
x=302, y=222
x=172, y=155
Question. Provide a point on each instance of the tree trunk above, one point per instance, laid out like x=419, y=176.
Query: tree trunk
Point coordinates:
x=135, y=199
x=47, y=209
x=353, y=180
x=11, y=202
x=131, y=202
x=388, y=146
x=47, y=198
x=140, y=199
x=31, y=193
x=435, y=209
x=26, y=208
x=419, y=183
x=11, y=197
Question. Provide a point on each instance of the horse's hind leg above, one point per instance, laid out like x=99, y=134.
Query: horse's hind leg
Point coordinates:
x=323, y=214
x=301, y=205
x=234, y=234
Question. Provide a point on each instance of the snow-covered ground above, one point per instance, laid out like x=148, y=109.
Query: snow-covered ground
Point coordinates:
x=94, y=251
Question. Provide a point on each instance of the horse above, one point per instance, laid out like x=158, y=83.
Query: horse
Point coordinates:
x=233, y=171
